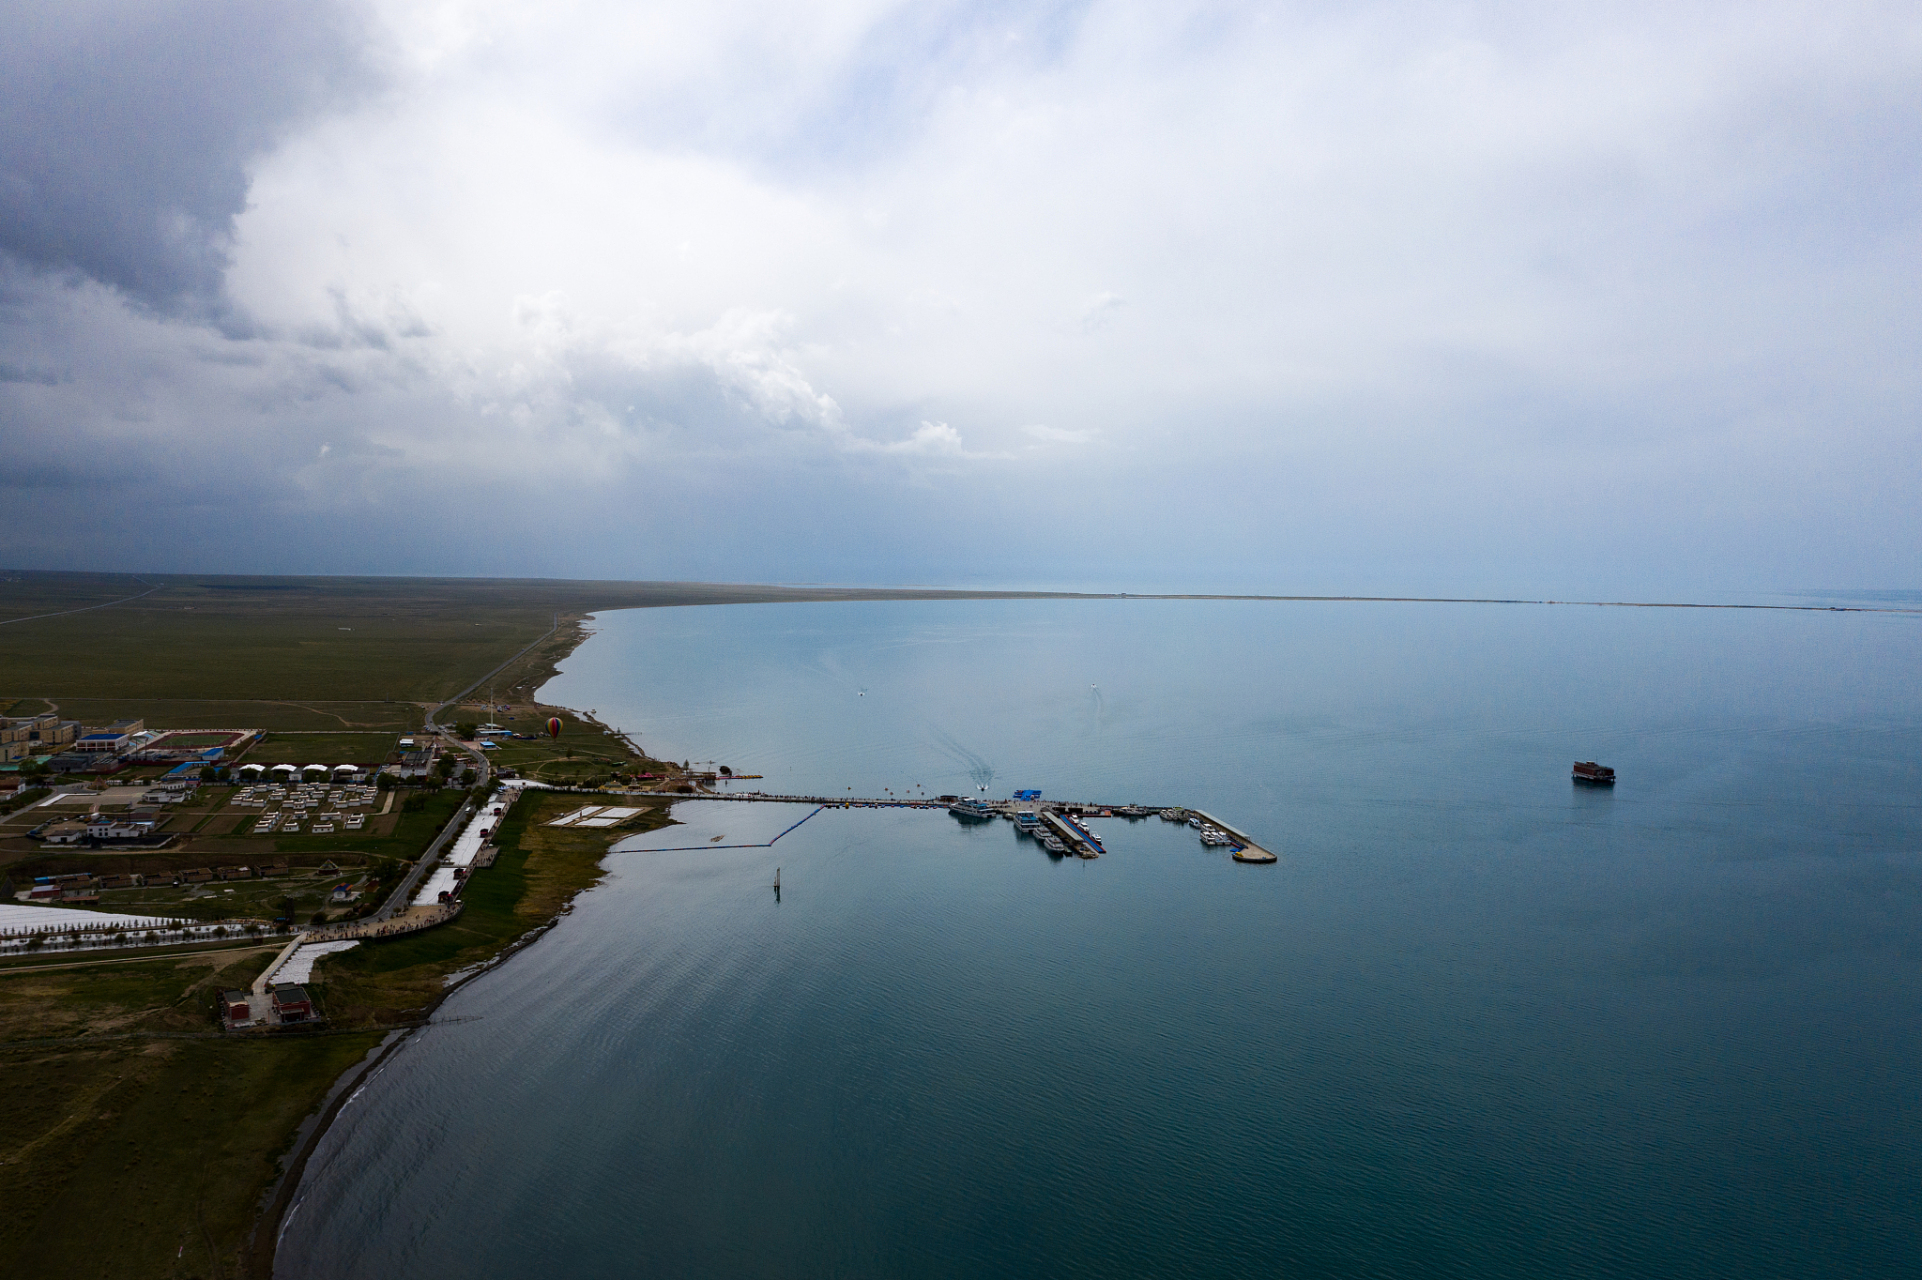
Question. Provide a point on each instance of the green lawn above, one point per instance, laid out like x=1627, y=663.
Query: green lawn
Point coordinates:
x=321, y=748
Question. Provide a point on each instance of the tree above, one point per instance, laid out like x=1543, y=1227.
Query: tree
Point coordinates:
x=385, y=782
x=208, y=773
x=467, y=729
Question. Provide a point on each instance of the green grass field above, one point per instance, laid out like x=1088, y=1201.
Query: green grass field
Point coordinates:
x=320, y=748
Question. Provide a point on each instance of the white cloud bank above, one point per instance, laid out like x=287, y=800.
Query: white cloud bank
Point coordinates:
x=1411, y=296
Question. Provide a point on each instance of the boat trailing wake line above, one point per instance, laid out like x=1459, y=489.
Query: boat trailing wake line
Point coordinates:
x=980, y=772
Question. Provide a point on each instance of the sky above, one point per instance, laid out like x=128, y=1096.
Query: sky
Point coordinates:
x=1433, y=298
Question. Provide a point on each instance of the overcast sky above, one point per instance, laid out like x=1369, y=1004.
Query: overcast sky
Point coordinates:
x=1457, y=297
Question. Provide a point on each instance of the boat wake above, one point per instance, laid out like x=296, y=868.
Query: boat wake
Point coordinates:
x=980, y=772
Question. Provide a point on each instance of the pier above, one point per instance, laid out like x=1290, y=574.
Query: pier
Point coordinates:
x=1079, y=839
x=1060, y=818
x=1248, y=850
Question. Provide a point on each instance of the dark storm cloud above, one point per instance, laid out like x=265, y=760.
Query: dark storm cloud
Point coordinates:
x=126, y=129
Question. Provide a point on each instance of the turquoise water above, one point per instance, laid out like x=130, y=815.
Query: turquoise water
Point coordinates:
x=1477, y=1022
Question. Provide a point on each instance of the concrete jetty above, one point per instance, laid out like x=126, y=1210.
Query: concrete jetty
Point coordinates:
x=1249, y=850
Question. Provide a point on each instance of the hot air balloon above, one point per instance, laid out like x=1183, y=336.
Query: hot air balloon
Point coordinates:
x=554, y=727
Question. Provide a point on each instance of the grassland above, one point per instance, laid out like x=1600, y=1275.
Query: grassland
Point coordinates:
x=304, y=643
x=138, y=1142
x=321, y=748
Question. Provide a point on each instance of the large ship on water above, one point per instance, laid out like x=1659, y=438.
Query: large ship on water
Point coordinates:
x=1599, y=775
x=971, y=810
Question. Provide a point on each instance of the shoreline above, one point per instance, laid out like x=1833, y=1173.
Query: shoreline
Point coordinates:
x=282, y=1198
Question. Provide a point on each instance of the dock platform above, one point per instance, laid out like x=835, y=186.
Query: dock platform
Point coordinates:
x=1249, y=850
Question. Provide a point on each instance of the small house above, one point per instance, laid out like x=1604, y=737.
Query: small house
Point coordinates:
x=197, y=875
x=291, y=1003
x=233, y=1006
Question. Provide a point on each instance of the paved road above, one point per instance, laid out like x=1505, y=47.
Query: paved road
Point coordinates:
x=107, y=604
x=483, y=769
x=397, y=900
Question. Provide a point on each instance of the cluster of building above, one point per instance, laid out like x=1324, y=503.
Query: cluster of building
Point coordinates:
x=82, y=888
x=68, y=746
x=24, y=738
x=284, y=1002
x=135, y=826
x=78, y=888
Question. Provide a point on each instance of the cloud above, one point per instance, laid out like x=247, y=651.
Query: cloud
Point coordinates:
x=1437, y=294
x=1100, y=311
x=126, y=129
x=1060, y=435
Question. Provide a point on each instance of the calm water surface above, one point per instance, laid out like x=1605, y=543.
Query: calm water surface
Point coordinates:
x=1478, y=1022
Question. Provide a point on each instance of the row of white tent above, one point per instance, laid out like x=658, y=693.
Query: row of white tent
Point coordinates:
x=342, y=771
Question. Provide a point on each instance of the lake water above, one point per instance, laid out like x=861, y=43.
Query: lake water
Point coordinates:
x=1477, y=1021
